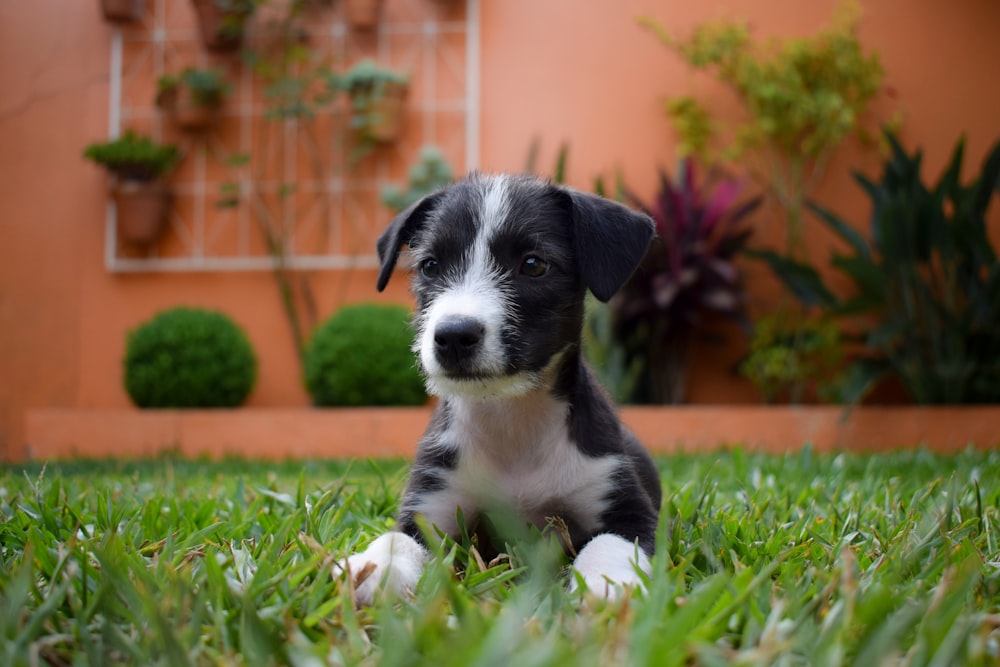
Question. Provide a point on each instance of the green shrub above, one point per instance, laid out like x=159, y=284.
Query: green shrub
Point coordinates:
x=361, y=356
x=189, y=358
x=208, y=86
x=133, y=157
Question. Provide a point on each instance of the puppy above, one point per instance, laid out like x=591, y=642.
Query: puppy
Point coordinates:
x=502, y=264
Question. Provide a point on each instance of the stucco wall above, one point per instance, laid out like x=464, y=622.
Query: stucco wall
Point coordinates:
x=562, y=70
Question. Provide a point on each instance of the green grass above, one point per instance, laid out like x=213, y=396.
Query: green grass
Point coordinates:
x=804, y=559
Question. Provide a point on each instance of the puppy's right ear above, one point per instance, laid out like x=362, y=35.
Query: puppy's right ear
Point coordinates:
x=399, y=233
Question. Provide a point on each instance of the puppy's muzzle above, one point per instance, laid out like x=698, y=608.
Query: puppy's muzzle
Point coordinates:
x=458, y=341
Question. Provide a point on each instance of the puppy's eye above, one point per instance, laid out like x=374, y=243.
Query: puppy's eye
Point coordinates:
x=430, y=268
x=534, y=267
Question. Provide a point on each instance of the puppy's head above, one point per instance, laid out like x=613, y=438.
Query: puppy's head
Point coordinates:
x=501, y=267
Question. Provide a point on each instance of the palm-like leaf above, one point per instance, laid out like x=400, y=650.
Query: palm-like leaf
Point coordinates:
x=928, y=275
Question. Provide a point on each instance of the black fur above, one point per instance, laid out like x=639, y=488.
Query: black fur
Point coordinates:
x=588, y=243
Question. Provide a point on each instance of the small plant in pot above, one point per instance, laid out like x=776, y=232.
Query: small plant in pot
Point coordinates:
x=223, y=22
x=142, y=199
x=122, y=11
x=193, y=98
x=378, y=98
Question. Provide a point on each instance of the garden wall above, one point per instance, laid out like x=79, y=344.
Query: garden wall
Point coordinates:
x=561, y=70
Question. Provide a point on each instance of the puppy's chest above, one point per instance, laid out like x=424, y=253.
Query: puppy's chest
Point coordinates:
x=537, y=472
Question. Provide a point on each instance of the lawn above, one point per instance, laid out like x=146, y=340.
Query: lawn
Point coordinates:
x=804, y=559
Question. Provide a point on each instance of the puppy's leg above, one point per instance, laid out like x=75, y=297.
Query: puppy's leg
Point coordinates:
x=393, y=562
x=607, y=563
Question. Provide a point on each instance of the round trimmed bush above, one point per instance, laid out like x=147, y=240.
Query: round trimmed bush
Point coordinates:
x=361, y=356
x=189, y=358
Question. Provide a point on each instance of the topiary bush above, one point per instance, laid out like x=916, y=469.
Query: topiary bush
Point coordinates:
x=189, y=358
x=361, y=356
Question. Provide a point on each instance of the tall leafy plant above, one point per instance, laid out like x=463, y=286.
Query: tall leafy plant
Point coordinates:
x=689, y=271
x=802, y=97
x=297, y=86
x=926, y=277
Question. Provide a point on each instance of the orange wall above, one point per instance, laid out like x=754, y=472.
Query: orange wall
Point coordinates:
x=563, y=70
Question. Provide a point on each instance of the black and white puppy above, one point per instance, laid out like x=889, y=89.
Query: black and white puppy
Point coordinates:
x=502, y=264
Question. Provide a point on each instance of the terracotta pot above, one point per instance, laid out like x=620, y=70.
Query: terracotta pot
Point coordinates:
x=386, y=113
x=122, y=11
x=363, y=14
x=141, y=208
x=187, y=113
x=221, y=29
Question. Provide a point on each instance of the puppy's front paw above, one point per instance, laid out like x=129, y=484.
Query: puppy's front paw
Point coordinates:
x=393, y=562
x=607, y=564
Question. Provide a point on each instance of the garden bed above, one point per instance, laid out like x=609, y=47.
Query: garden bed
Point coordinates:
x=278, y=433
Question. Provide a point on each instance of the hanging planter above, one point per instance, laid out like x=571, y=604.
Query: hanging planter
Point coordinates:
x=363, y=14
x=122, y=11
x=141, y=209
x=378, y=103
x=193, y=99
x=142, y=199
x=223, y=22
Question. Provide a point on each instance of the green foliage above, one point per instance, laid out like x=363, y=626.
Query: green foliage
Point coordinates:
x=189, y=358
x=558, y=174
x=801, y=559
x=606, y=355
x=133, y=157
x=361, y=356
x=297, y=81
x=926, y=277
x=432, y=172
x=237, y=12
x=296, y=87
x=207, y=86
x=803, y=97
x=688, y=271
x=790, y=356
x=369, y=79
x=367, y=84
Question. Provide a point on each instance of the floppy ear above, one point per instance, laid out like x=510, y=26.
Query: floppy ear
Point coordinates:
x=399, y=233
x=610, y=241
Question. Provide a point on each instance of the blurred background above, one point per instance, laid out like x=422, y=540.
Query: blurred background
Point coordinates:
x=267, y=151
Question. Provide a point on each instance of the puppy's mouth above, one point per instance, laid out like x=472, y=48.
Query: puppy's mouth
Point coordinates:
x=470, y=384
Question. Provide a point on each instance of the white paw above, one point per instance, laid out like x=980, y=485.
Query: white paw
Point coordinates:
x=393, y=562
x=608, y=564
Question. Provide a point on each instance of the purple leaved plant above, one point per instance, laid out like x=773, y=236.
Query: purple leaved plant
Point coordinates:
x=688, y=271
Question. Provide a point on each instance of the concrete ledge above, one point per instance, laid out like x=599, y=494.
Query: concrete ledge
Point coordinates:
x=300, y=433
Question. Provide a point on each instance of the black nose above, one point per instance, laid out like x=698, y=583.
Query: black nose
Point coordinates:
x=458, y=339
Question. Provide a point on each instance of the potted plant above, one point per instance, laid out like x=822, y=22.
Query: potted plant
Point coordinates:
x=378, y=97
x=122, y=11
x=688, y=271
x=193, y=98
x=363, y=14
x=142, y=199
x=222, y=22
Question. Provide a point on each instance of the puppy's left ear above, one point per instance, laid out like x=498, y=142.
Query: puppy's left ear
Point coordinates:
x=610, y=241
x=399, y=233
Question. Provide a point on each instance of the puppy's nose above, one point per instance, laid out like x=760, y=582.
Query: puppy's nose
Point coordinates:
x=457, y=339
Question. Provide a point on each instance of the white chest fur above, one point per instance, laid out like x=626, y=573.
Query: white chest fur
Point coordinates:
x=517, y=453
